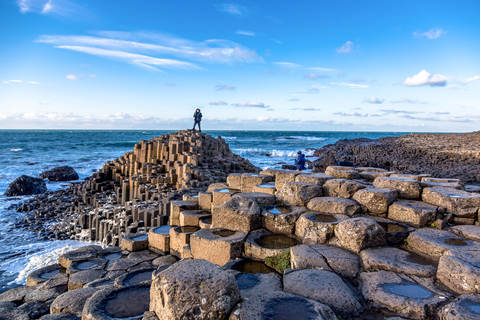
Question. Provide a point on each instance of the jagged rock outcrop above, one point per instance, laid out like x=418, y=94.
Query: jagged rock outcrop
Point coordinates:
x=454, y=155
x=26, y=185
x=65, y=173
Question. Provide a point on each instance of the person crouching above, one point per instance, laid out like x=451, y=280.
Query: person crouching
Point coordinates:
x=300, y=161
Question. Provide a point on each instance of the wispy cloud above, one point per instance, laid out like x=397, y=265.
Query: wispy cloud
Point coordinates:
x=71, y=77
x=246, y=33
x=307, y=109
x=314, y=76
x=347, y=47
x=392, y=111
x=350, y=85
x=218, y=103
x=373, y=100
x=232, y=8
x=441, y=112
x=320, y=69
x=294, y=99
x=223, y=87
x=430, y=34
x=250, y=105
x=287, y=66
x=351, y=114
x=358, y=80
x=19, y=81
x=65, y=8
x=472, y=79
x=410, y=101
x=423, y=78
x=143, y=49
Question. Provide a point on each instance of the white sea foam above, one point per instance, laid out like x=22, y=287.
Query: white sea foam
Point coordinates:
x=16, y=150
x=301, y=138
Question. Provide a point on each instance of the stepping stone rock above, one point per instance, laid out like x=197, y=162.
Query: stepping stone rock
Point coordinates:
x=342, y=172
x=72, y=301
x=249, y=180
x=415, y=213
x=334, y=205
x=43, y=274
x=79, y=279
x=135, y=277
x=408, y=188
x=191, y=218
x=460, y=271
x=465, y=307
x=259, y=197
x=281, y=305
x=16, y=294
x=407, y=296
x=298, y=193
x=281, y=219
x=80, y=254
x=452, y=199
x=60, y=316
x=341, y=188
x=217, y=245
x=397, y=260
x=65, y=173
x=372, y=175
x=26, y=185
x=376, y=200
x=261, y=244
x=193, y=289
x=282, y=177
x=92, y=264
x=325, y=287
x=9, y=310
x=325, y=257
x=160, y=261
x=467, y=232
x=316, y=228
x=357, y=234
x=237, y=214
x=434, y=243
x=315, y=178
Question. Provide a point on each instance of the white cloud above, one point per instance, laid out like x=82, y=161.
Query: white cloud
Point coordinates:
x=347, y=47
x=472, y=79
x=71, y=77
x=430, y=34
x=19, y=81
x=392, y=111
x=288, y=65
x=373, y=100
x=223, y=87
x=351, y=114
x=423, y=78
x=350, y=85
x=246, y=33
x=307, y=109
x=250, y=105
x=410, y=101
x=218, y=103
x=314, y=76
x=232, y=8
x=56, y=7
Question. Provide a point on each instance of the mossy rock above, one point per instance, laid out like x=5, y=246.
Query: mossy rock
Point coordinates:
x=280, y=262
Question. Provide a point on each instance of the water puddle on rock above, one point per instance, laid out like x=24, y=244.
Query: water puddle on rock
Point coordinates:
x=278, y=209
x=418, y=259
x=207, y=221
x=162, y=229
x=276, y=241
x=392, y=227
x=265, y=185
x=408, y=290
x=87, y=265
x=252, y=266
x=49, y=275
x=289, y=308
x=246, y=280
x=324, y=218
x=472, y=306
x=140, y=277
x=113, y=256
x=188, y=229
x=227, y=190
x=455, y=242
x=129, y=303
x=224, y=233
x=140, y=237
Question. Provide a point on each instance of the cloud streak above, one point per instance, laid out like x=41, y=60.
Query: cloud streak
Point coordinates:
x=232, y=8
x=430, y=34
x=250, y=105
x=373, y=100
x=347, y=47
x=220, y=87
x=218, y=103
x=351, y=114
x=424, y=78
x=410, y=101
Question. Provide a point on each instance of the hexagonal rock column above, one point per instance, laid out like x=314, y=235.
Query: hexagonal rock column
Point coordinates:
x=261, y=244
x=325, y=257
x=250, y=179
x=193, y=289
x=134, y=242
x=435, y=243
x=407, y=296
x=282, y=177
x=397, y=260
x=268, y=188
x=281, y=219
x=205, y=200
x=193, y=217
x=316, y=228
x=72, y=301
x=408, y=188
x=126, y=302
x=217, y=245
x=281, y=305
x=460, y=271
x=360, y=233
x=415, y=213
x=372, y=175
x=325, y=287
x=159, y=239
x=465, y=307
x=43, y=274
x=237, y=214
x=467, y=232
x=234, y=180
x=220, y=196
x=177, y=206
x=315, y=178
x=80, y=254
x=341, y=188
x=376, y=200
x=342, y=172
x=254, y=284
x=462, y=202
x=298, y=193
x=334, y=205
x=179, y=238
x=259, y=197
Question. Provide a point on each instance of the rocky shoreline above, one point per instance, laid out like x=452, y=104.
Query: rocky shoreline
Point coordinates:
x=349, y=243
x=454, y=155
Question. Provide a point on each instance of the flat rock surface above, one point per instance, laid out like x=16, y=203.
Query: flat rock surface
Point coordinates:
x=465, y=307
x=72, y=301
x=466, y=231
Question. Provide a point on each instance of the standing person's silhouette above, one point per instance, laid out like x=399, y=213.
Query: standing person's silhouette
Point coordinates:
x=197, y=117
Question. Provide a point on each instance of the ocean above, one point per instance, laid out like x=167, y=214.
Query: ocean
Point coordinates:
x=31, y=152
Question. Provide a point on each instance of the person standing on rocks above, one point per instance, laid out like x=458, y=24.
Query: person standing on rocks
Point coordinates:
x=197, y=117
x=300, y=161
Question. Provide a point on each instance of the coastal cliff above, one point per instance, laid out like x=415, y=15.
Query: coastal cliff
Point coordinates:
x=454, y=155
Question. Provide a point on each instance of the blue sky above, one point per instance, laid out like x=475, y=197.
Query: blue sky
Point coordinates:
x=265, y=65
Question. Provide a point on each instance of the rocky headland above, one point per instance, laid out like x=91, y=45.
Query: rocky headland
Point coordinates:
x=346, y=243
x=454, y=155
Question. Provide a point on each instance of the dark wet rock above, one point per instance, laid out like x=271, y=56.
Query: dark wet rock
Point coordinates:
x=397, y=260
x=58, y=280
x=357, y=234
x=341, y=188
x=298, y=193
x=149, y=315
x=263, y=199
x=193, y=288
x=281, y=305
x=135, y=242
x=92, y=264
x=26, y=185
x=78, y=280
x=112, y=303
x=35, y=309
x=16, y=294
x=64, y=173
x=334, y=205
x=325, y=287
x=325, y=257
x=407, y=296
x=261, y=244
x=9, y=310
x=465, y=307
x=316, y=228
x=43, y=294
x=251, y=284
x=60, y=316
x=144, y=255
x=72, y=301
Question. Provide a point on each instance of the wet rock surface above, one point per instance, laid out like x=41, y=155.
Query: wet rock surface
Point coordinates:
x=64, y=173
x=25, y=185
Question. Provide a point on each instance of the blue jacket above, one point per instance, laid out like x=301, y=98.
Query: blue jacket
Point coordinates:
x=300, y=162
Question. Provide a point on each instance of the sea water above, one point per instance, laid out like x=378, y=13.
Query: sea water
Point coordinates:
x=32, y=152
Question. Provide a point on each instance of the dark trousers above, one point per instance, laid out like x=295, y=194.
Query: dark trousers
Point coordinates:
x=194, y=124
